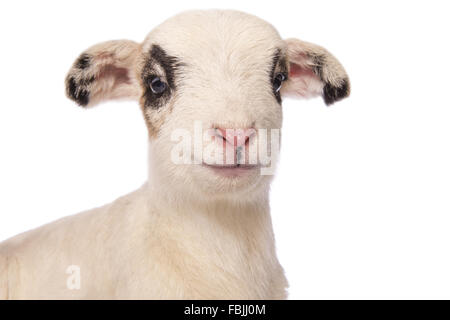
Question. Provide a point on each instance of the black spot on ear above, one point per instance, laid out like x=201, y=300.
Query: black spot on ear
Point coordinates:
x=72, y=87
x=83, y=62
x=87, y=81
x=77, y=93
x=83, y=97
x=331, y=94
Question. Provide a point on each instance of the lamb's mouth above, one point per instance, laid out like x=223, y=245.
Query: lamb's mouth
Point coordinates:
x=233, y=170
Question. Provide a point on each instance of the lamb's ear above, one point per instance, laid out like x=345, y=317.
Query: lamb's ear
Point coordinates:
x=104, y=71
x=313, y=71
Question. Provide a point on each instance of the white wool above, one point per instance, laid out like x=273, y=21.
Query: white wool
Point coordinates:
x=187, y=233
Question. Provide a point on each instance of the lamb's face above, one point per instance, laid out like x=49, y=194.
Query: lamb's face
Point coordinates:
x=219, y=71
x=209, y=85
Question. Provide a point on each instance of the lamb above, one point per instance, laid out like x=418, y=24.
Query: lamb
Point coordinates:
x=195, y=230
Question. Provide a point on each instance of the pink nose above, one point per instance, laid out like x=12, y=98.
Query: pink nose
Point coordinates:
x=235, y=137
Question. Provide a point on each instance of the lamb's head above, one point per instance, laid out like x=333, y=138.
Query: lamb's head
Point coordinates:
x=210, y=85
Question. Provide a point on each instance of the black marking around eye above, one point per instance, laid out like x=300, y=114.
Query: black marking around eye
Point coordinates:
x=170, y=65
x=83, y=62
x=278, y=61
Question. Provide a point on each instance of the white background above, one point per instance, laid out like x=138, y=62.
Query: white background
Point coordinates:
x=361, y=203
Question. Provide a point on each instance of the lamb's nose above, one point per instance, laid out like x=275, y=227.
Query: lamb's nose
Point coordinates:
x=235, y=137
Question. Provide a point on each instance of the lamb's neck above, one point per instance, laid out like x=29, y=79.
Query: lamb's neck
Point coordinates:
x=216, y=244
x=224, y=223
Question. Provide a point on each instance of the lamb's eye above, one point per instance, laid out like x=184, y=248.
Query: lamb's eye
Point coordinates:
x=278, y=80
x=157, y=85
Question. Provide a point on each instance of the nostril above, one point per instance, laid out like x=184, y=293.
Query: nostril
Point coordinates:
x=221, y=133
x=235, y=137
